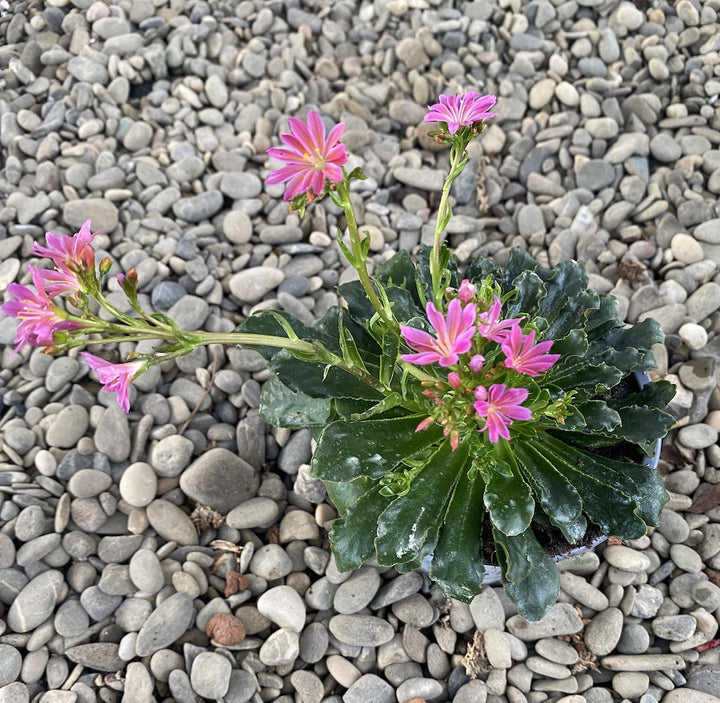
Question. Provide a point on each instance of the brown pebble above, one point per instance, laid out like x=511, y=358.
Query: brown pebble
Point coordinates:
x=234, y=582
x=225, y=629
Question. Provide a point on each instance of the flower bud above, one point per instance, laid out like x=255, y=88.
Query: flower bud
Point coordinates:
x=105, y=265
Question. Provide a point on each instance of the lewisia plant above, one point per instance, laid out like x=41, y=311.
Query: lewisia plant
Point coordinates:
x=476, y=417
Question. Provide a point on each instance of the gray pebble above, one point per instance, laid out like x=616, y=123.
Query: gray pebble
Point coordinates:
x=166, y=624
x=36, y=601
x=362, y=630
x=210, y=675
x=219, y=480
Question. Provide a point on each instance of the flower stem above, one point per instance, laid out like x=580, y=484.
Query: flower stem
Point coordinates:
x=359, y=260
x=458, y=159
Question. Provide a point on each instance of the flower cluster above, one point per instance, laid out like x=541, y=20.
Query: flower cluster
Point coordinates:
x=460, y=338
x=43, y=323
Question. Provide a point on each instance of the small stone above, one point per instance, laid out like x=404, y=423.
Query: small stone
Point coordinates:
x=225, y=629
x=562, y=619
x=625, y=558
x=283, y=606
x=676, y=628
x=100, y=656
x=200, y=207
x=603, y=632
x=251, y=285
x=146, y=571
x=631, y=684
x=171, y=455
x=112, y=435
x=166, y=624
x=308, y=686
x=210, y=675
x=370, y=687
x=271, y=562
x=138, y=484
x=281, y=648
x=219, y=479
x=11, y=664
x=36, y=601
x=487, y=611
x=171, y=523
x=361, y=630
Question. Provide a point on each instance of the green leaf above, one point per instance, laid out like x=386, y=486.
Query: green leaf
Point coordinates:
x=399, y=270
x=513, y=556
x=519, y=262
x=389, y=357
x=350, y=354
x=573, y=344
x=606, y=499
x=348, y=449
x=529, y=290
x=582, y=376
x=558, y=497
x=457, y=565
x=319, y=380
x=282, y=407
x=649, y=489
x=603, y=319
x=598, y=416
x=654, y=394
x=641, y=335
x=537, y=592
x=509, y=501
x=352, y=537
x=643, y=426
x=345, y=494
x=408, y=528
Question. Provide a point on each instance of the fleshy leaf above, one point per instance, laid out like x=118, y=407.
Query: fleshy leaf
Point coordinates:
x=347, y=449
x=537, y=592
x=282, y=407
x=352, y=537
x=319, y=380
x=598, y=416
x=457, y=566
x=408, y=528
x=509, y=501
x=558, y=497
x=605, y=502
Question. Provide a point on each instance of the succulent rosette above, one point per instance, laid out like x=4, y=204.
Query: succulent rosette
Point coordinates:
x=496, y=421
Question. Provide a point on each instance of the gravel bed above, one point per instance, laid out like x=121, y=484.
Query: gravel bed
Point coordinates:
x=152, y=118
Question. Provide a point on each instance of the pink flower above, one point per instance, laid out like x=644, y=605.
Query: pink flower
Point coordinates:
x=39, y=317
x=524, y=355
x=501, y=405
x=454, y=335
x=69, y=254
x=492, y=327
x=115, y=377
x=311, y=157
x=60, y=281
x=461, y=110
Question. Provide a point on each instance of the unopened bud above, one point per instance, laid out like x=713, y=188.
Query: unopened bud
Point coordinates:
x=105, y=265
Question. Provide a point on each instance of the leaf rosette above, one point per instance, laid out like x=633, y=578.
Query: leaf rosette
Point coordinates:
x=405, y=492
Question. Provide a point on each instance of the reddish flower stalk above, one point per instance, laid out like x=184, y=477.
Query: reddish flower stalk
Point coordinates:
x=311, y=157
x=454, y=336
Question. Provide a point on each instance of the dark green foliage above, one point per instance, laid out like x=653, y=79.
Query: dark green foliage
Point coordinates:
x=402, y=494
